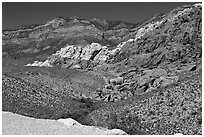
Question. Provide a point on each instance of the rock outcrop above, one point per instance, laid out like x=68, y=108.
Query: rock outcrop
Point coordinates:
x=70, y=55
x=89, y=51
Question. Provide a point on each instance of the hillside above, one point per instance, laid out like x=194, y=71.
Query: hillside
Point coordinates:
x=143, y=78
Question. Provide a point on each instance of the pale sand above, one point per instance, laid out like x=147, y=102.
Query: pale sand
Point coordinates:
x=14, y=124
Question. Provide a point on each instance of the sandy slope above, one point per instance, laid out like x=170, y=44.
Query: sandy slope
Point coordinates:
x=14, y=124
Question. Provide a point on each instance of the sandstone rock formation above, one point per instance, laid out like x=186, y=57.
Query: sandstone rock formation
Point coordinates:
x=88, y=51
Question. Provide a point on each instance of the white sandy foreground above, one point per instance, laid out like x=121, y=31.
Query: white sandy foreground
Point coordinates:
x=14, y=124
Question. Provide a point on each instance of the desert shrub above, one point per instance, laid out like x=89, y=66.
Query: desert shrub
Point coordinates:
x=129, y=123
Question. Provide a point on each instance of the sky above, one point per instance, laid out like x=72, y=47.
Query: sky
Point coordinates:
x=25, y=13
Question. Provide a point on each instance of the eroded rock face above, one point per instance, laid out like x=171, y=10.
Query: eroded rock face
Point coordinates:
x=89, y=50
x=102, y=55
x=93, y=52
x=116, y=81
x=70, y=55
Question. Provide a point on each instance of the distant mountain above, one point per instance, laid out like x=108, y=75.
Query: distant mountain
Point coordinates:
x=155, y=38
x=47, y=38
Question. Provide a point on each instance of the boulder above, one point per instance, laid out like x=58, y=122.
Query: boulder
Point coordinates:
x=115, y=132
x=69, y=122
x=158, y=72
x=187, y=67
x=142, y=81
x=164, y=81
x=76, y=66
x=116, y=81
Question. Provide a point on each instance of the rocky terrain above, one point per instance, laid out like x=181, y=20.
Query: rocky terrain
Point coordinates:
x=143, y=78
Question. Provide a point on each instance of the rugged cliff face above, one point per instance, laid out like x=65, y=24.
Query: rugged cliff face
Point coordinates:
x=102, y=63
